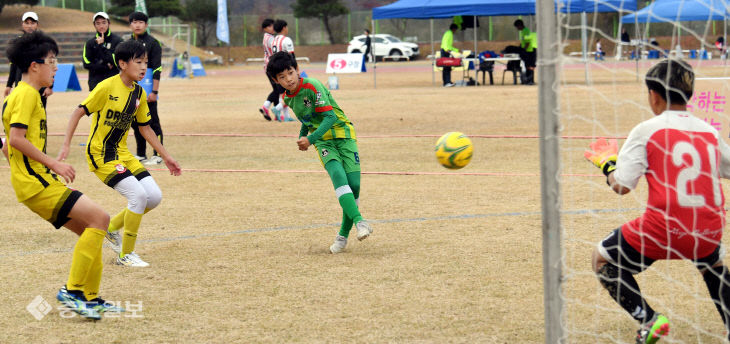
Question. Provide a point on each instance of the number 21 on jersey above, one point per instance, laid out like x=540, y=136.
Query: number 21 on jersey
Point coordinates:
x=693, y=170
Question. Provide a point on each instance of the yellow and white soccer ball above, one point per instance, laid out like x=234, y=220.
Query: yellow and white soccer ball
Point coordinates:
x=454, y=150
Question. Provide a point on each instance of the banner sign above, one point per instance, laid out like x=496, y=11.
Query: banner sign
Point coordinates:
x=222, y=25
x=344, y=63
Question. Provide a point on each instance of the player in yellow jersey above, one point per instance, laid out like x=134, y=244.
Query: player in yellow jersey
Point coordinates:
x=34, y=174
x=115, y=103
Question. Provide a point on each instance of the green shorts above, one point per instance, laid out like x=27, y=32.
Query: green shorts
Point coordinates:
x=342, y=150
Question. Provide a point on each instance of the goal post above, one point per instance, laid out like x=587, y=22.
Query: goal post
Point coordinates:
x=548, y=53
x=176, y=36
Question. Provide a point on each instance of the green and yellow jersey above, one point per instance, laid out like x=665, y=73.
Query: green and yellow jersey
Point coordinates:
x=314, y=106
x=114, y=106
x=23, y=109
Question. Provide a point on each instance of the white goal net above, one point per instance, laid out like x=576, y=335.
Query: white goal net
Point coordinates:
x=605, y=96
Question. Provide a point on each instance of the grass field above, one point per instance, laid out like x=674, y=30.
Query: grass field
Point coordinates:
x=238, y=247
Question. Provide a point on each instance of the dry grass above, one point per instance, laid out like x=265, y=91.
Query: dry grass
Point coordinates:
x=242, y=257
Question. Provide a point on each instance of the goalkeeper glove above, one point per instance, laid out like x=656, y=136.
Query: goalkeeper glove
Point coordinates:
x=603, y=154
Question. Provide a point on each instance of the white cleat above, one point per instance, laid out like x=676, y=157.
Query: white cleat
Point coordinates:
x=153, y=160
x=363, y=230
x=133, y=260
x=339, y=245
x=115, y=240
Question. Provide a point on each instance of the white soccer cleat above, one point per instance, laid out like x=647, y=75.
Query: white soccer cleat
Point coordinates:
x=363, y=230
x=153, y=160
x=133, y=260
x=115, y=240
x=339, y=245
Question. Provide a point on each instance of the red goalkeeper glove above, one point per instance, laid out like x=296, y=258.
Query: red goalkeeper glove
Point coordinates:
x=603, y=154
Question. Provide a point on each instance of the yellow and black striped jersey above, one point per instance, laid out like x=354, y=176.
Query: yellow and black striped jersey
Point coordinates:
x=23, y=109
x=114, y=106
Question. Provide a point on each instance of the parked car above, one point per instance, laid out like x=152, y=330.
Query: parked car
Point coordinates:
x=384, y=45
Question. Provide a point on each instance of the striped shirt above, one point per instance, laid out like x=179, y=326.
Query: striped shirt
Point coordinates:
x=282, y=43
x=311, y=102
x=114, y=107
x=23, y=109
x=268, y=40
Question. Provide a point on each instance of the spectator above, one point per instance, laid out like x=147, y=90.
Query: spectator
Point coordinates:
x=138, y=24
x=98, y=51
x=369, y=55
x=447, y=46
x=625, y=36
x=29, y=24
x=528, y=43
x=625, y=41
x=720, y=44
x=599, y=50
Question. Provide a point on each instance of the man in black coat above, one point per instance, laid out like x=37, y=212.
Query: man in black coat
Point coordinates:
x=98, y=58
x=138, y=22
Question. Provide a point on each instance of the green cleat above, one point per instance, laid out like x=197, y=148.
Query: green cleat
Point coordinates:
x=652, y=332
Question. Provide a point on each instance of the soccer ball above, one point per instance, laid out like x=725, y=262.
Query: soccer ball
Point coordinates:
x=453, y=150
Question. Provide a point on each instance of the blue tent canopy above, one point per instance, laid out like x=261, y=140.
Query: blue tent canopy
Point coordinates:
x=670, y=11
x=426, y=9
x=593, y=6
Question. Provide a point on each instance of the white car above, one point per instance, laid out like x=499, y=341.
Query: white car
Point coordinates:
x=384, y=45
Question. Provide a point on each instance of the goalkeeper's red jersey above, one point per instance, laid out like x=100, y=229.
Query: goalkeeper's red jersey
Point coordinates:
x=683, y=159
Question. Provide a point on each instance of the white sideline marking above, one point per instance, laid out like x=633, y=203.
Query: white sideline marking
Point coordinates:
x=327, y=225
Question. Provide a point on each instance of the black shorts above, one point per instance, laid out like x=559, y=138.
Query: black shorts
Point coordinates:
x=615, y=249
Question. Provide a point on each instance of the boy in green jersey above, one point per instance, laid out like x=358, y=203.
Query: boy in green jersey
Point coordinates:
x=325, y=126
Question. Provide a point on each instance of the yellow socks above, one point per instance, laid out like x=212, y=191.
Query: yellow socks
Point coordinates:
x=87, y=249
x=93, y=278
x=117, y=222
x=131, y=227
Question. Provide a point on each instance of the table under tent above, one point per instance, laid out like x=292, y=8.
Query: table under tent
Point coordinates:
x=435, y=9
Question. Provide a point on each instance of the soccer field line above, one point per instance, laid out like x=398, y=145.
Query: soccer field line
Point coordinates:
x=327, y=225
x=384, y=173
x=481, y=136
x=387, y=173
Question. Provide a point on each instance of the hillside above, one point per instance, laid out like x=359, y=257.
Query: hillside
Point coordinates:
x=52, y=19
x=59, y=20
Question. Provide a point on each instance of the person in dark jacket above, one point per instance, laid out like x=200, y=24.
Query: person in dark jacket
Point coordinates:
x=138, y=24
x=29, y=24
x=369, y=54
x=98, y=51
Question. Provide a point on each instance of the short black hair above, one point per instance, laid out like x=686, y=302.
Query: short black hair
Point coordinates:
x=30, y=47
x=368, y=31
x=673, y=80
x=519, y=23
x=129, y=50
x=453, y=27
x=266, y=23
x=138, y=16
x=279, y=25
x=280, y=62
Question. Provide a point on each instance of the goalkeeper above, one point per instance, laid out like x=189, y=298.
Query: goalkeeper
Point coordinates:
x=682, y=158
